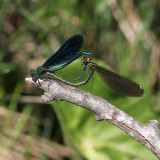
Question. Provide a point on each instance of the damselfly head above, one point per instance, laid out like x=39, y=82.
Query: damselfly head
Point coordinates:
x=32, y=73
x=40, y=70
x=86, y=60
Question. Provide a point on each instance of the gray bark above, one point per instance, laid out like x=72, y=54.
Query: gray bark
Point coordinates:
x=147, y=134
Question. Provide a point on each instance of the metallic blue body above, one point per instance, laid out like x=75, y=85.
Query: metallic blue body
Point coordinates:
x=80, y=54
x=66, y=54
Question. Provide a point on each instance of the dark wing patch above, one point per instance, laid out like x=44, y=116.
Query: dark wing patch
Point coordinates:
x=118, y=83
x=66, y=52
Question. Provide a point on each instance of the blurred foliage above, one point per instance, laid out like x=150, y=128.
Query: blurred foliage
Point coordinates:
x=124, y=34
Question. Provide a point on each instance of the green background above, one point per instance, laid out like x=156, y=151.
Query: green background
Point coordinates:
x=121, y=35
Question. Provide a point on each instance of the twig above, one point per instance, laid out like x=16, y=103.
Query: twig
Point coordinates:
x=148, y=135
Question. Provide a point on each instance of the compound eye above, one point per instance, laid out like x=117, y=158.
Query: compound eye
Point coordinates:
x=83, y=60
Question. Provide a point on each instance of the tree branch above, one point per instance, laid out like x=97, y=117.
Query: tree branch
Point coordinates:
x=148, y=135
